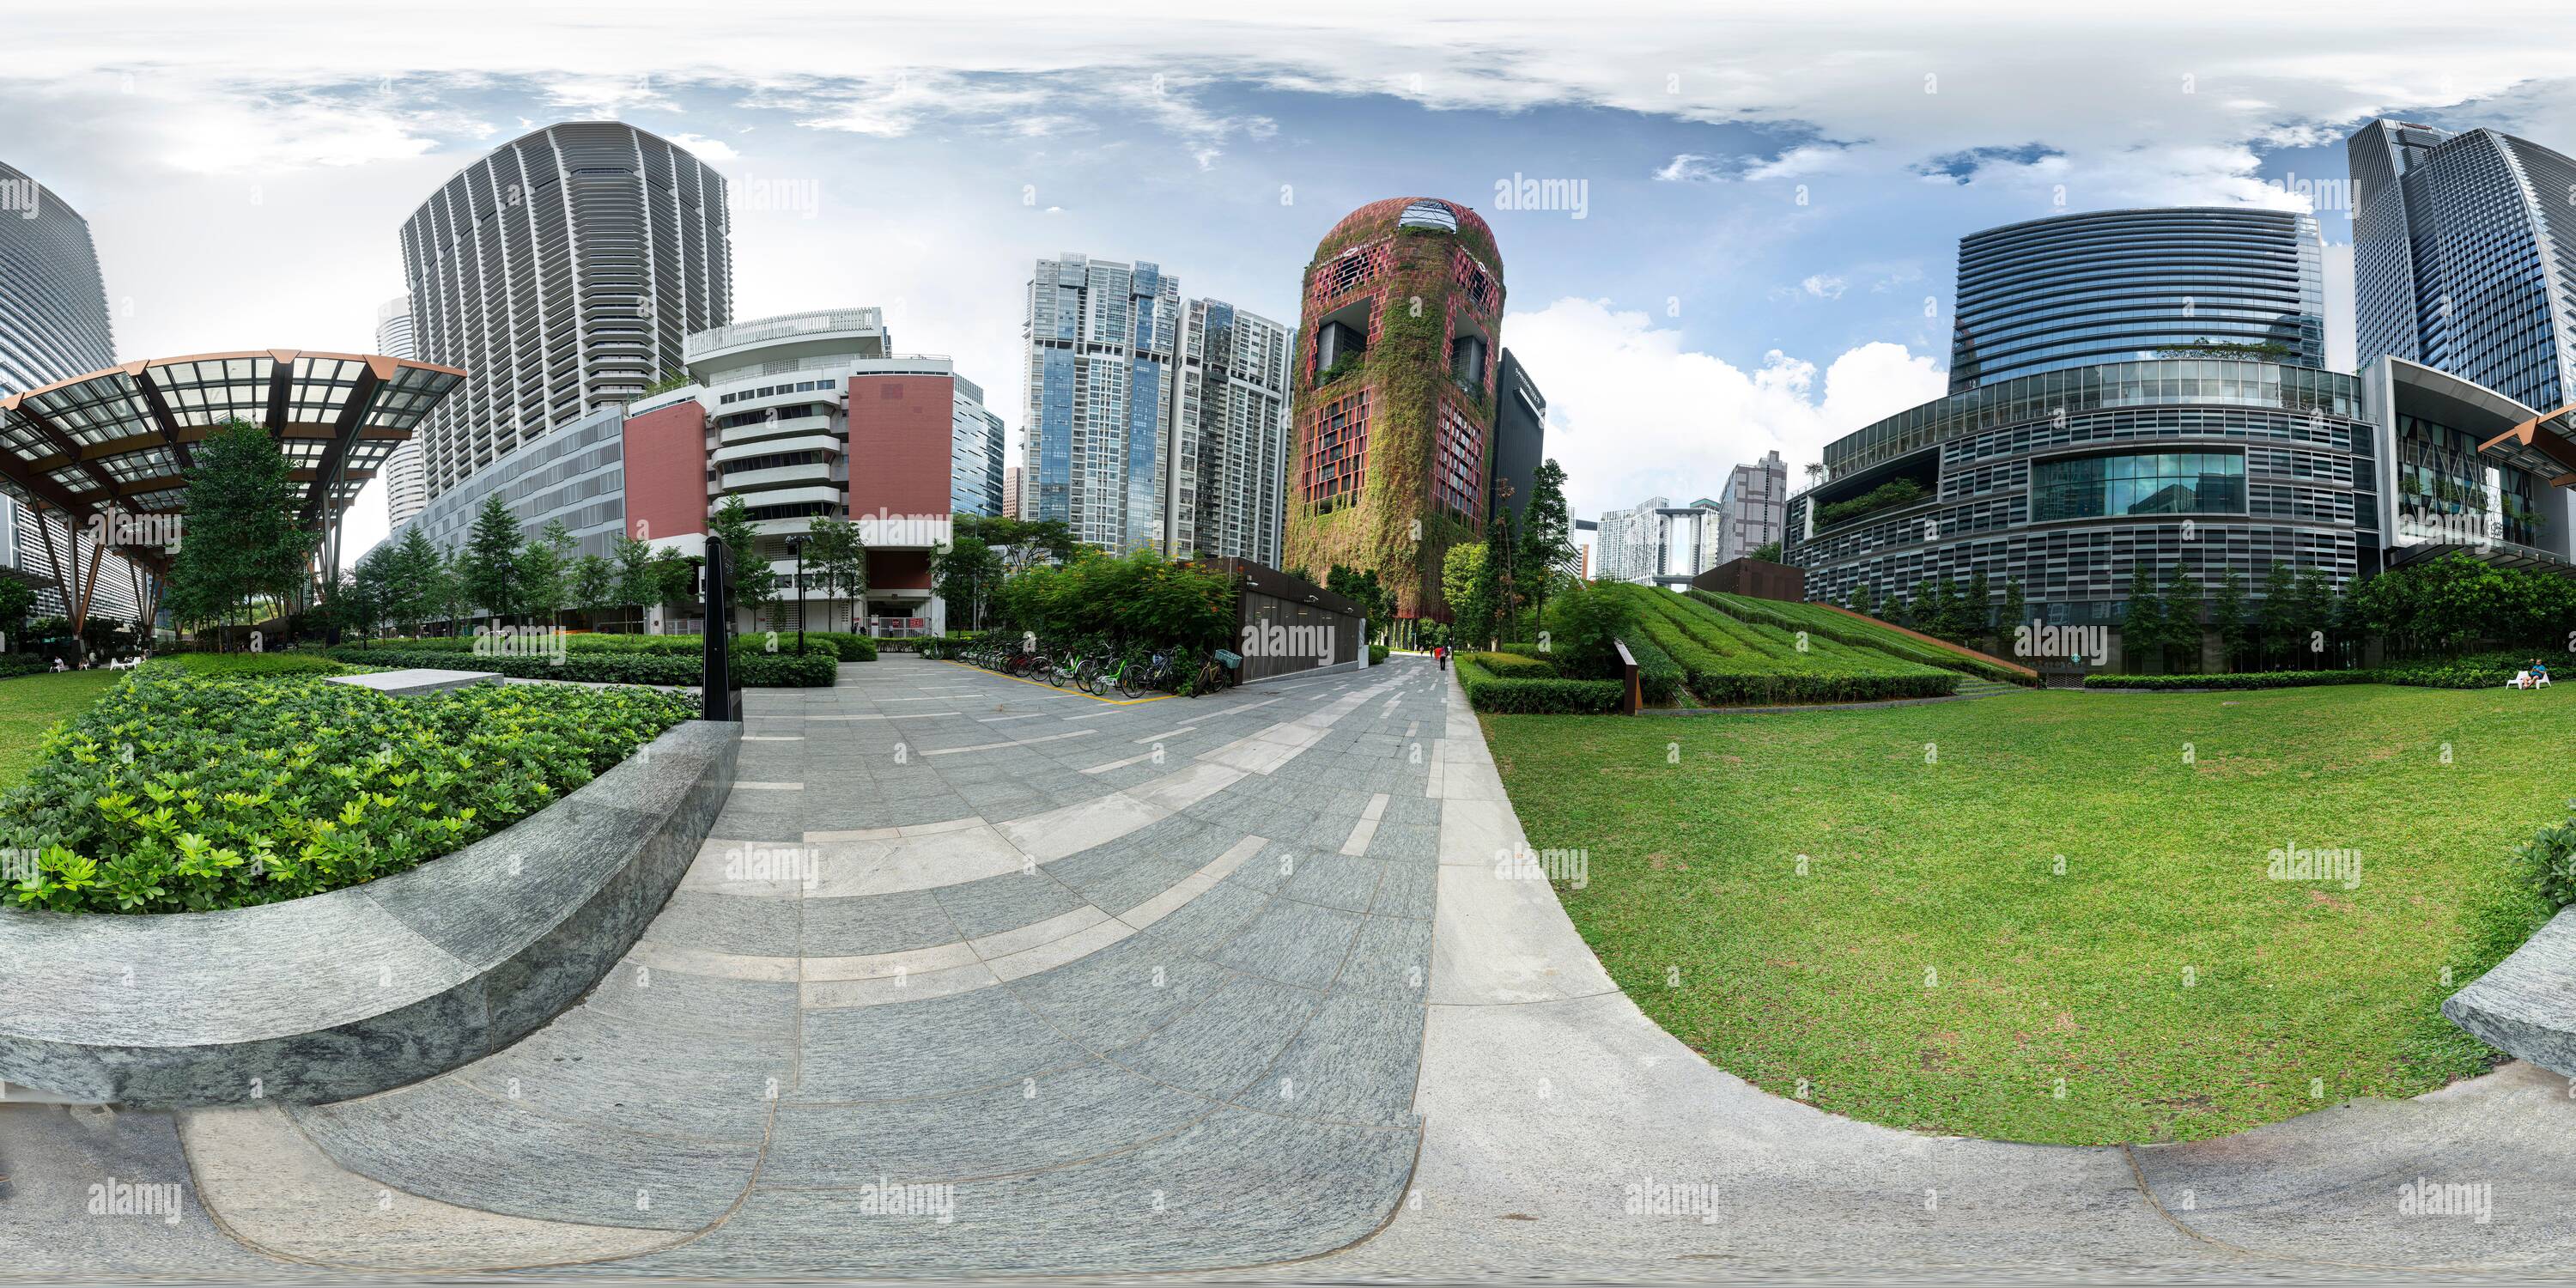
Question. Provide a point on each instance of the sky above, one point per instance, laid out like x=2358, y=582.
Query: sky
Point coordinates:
x=1757, y=252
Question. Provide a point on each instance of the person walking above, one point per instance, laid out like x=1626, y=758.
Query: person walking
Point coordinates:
x=1441, y=651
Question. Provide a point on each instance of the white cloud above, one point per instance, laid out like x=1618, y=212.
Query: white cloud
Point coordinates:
x=1633, y=414
x=1690, y=167
x=705, y=148
x=1822, y=286
x=1799, y=163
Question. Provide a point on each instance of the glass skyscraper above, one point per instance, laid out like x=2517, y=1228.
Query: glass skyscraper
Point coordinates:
x=2121, y=285
x=2456, y=262
x=53, y=326
x=1229, y=450
x=1102, y=341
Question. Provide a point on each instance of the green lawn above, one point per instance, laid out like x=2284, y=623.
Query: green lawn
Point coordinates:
x=31, y=704
x=1932, y=970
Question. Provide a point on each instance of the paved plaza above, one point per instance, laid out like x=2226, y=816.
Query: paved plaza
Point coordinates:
x=981, y=977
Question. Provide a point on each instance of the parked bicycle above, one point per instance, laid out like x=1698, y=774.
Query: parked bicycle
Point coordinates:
x=1217, y=674
x=1136, y=681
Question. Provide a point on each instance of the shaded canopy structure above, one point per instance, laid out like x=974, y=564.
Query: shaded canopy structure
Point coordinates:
x=114, y=445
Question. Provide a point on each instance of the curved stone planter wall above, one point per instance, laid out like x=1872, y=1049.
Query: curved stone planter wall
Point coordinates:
x=2526, y=1006
x=360, y=990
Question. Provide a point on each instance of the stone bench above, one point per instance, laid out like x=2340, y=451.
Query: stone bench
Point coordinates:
x=371, y=987
x=2526, y=1006
x=417, y=679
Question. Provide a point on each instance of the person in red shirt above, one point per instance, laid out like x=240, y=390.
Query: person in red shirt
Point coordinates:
x=1441, y=651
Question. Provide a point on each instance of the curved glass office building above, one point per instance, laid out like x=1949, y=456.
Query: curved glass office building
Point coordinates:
x=2456, y=262
x=2115, y=285
x=2067, y=481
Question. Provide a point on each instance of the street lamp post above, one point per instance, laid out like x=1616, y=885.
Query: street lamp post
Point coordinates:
x=796, y=545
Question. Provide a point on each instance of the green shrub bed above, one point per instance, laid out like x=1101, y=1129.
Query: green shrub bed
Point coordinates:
x=1532, y=695
x=2476, y=671
x=752, y=668
x=1727, y=661
x=1377, y=654
x=181, y=792
x=13, y=665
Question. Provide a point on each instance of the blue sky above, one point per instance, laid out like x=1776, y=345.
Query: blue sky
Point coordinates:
x=1770, y=199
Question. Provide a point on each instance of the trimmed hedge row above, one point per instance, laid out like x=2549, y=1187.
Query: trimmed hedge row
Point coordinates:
x=849, y=647
x=1377, y=654
x=1723, y=669
x=1816, y=620
x=1543, y=695
x=1513, y=666
x=248, y=664
x=2481, y=671
x=1659, y=677
x=2238, y=680
x=753, y=669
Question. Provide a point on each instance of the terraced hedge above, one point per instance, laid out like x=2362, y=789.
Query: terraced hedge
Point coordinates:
x=1730, y=661
x=1817, y=620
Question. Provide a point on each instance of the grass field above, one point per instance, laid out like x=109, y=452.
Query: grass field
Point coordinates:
x=1932, y=968
x=31, y=704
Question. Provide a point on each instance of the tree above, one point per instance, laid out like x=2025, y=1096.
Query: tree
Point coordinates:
x=966, y=573
x=636, y=586
x=1502, y=574
x=2142, y=627
x=834, y=551
x=2280, y=613
x=415, y=570
x=1979, y=619
x=17, y=599
x=594, y=586
x=1864, y=600
x=754, y=582
x=674, y=577
x=453, y=592
x=2313, y=618
x=2016, y=607
x=1547, y=535
x=492, y=553
x=2227, y=618
x=2181, y=597
x=243, y=542
x=1467, y=587
x=360, y=603
x=1583, y=629
x=545, y=572
x=1767, y=552
x=1376, y=602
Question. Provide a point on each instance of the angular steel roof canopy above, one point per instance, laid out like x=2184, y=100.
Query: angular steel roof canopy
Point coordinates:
x=121, y=438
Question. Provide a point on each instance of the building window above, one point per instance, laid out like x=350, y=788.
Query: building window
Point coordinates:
x=1458, y=465
x=1337, y=451
x=2093, y=487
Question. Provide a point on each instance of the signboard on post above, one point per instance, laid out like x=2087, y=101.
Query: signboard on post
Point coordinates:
x=715, y=581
